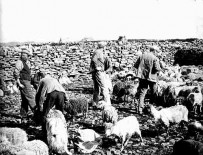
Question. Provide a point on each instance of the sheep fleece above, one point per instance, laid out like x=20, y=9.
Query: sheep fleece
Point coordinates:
x=57, y=135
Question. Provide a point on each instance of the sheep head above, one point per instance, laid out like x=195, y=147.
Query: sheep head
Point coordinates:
x=108, y=128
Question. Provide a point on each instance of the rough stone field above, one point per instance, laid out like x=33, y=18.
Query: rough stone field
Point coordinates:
x=154, y=142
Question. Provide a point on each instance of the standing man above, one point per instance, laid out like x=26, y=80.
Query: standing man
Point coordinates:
x=99, y=66
x=22, y=74
x=147, y=66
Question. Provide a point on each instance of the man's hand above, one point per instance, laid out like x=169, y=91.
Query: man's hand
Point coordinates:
x=98, y=68
x=21, y=85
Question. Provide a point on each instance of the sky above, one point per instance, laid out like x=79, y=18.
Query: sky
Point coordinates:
x=50, y=20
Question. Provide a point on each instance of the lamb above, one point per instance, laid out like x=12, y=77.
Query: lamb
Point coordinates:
x=195, y=100
x=124, y=129
x=109, y=113
x=188, y=147
x=78, y=105
x=174, y=114
x=15, y=136
x=34, y=147
x=57, y=135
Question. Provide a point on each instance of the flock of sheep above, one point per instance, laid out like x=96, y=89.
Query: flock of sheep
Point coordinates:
x=177, y=97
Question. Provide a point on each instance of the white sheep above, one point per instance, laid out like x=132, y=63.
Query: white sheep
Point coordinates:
x=15, y=136
x=57, y=135
x=174, y=114
x=109, y=113
x=124, y=129
x=195, y=99
x=34, y=147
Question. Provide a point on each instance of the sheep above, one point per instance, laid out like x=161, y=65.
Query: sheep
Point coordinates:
x=121, y=89
x=124, y=129
x=195, y=100
x=57, y=135
x=118, y=90
x=75, y=106
x=175, y=91
x=131, y=89
x=109, y=113
x=15, y=136
x=188, y=147
x=34, y=147
x=174, y=114
x=195, y=128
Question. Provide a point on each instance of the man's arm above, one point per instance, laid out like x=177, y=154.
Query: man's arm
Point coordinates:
x=107, y=65
x=156, y=66
x=136, y=65
x=18, y=68
x=41, y=95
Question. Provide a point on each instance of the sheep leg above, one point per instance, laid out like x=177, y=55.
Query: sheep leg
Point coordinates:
x=123, y=141
x=139, y=134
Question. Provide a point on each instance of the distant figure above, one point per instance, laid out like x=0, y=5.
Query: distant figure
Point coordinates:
x=22, y=74
x=147, y=66
x=99, y=66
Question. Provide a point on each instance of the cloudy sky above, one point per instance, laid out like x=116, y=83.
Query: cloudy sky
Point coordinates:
x=50, y=20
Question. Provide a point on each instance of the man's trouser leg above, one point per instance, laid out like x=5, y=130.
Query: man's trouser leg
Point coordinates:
x=60, y=101
x=96, y=91
x=153, y=88
x=143, y=87
x=28, y=96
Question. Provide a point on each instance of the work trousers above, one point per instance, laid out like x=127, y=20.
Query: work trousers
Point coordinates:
x=27, y=97
x=142, y=89
x=100, y=87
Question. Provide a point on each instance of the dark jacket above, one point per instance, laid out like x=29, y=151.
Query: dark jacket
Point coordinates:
x=147, y=66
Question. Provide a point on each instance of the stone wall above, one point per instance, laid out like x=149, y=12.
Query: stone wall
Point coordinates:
x=75, y=57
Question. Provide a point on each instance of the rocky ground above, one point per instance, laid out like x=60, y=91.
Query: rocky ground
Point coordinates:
x=154, y=142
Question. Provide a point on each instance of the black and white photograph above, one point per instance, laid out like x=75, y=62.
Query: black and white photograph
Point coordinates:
x=101, y=77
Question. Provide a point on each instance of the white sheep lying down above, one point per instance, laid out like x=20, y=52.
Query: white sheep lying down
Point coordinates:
x=174, y=114
x=57, y=135
x=34, y=147
x=15, y=136
x=124, y=129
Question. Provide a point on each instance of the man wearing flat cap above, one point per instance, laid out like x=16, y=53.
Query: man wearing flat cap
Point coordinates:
x=22, y=74
x=100, y=65
x=147, y=66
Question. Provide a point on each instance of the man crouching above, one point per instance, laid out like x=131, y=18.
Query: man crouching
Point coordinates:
x=50, y=93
